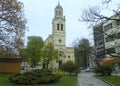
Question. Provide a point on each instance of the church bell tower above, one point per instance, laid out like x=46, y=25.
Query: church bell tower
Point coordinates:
x=58, y=27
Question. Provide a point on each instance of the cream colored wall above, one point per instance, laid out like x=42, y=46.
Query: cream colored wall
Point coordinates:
x=70, y=52
x=60, y=46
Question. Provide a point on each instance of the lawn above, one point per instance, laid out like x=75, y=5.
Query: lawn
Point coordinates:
x=64, y=81
x=114, y=80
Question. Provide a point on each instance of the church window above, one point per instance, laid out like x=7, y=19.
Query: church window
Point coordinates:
x=61, y=27
x=57, y=26
x=59, y=12
x=60, y=40
x=68, y=56
x=60, y=54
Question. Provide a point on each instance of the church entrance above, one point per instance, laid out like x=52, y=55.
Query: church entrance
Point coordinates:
x=60, y=63
x=61, y=57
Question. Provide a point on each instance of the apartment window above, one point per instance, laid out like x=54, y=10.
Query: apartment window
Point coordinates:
x=57, y=26
x=108, y=39
x=99, y=43
x=119, y=34
x=107, y=27
x=110, y=50
x=118, y=22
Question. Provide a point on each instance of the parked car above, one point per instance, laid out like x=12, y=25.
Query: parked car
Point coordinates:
x=89, y=70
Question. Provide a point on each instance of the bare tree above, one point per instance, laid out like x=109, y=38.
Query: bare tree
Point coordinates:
x=94, y=15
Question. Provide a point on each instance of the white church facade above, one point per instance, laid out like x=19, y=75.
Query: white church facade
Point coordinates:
x=58, y=38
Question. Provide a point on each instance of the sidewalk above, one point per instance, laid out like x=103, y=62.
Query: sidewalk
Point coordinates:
x=116, y=74
x=88, y=79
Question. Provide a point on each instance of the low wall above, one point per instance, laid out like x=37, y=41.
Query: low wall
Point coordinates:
x=10, y=65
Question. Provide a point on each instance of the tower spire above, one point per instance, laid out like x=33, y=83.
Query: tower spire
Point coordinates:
x=58, y=2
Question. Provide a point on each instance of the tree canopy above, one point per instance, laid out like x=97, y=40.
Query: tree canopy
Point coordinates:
x=82, y=52
x=12, y=26
x=34, y=50
x=49, y=54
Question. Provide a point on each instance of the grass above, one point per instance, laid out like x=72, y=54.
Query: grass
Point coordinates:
x=64, y=81
x=114, y=80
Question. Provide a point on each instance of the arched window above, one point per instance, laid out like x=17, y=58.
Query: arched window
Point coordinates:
x=60, y=55
x=59, y=12
x=61, y=27
x=57, y=26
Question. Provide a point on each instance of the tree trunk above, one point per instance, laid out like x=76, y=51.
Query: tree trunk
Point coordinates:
x=47, y=64
x=43, y=65
x=98, y=64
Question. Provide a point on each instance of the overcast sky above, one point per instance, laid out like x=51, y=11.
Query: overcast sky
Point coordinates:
x=39, y=15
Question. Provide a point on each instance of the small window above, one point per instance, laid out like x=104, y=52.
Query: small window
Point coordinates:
x=60, y=40
x=108, y=39
x=57, y=26
x=107, y=27
x=60, y=54
x=68, y=56
x=119, y=34
x=61, y=27
x=60, y=12
x=110, y=50
x=57, y=12
x=118, y=22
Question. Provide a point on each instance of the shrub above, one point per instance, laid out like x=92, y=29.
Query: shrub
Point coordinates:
x=97, y=70
x=58, y=74
x=105, y=69
x=70, y=67
x=108, y=68
x=43, y=76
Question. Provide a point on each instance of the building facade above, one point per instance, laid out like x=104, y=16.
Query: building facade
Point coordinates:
x=58, y=38
x=107, y=38
x=99, y=41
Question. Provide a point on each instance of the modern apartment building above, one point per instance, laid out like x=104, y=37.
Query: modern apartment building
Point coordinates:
x=99, y=41
x=107, y=38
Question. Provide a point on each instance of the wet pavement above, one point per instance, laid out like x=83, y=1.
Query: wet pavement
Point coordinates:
x=88, y=79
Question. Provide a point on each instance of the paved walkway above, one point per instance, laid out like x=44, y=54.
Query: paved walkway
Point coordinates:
x=87, y=79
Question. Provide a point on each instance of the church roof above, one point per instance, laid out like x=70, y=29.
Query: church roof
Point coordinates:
x=58, y=6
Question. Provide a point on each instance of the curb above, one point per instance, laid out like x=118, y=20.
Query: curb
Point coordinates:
x=104, y=81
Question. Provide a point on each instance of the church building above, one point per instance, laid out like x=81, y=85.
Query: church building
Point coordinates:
x=58, y=37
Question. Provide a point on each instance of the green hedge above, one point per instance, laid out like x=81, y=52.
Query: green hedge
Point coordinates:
x=43, y=76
